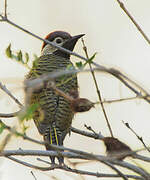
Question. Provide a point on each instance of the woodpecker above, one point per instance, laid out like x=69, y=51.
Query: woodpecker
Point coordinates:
x=53, y=116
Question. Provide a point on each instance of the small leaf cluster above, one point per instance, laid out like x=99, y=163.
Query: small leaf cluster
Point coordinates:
x=18, y=56
x=2, y=127
x=28, y=114
x=81, y=65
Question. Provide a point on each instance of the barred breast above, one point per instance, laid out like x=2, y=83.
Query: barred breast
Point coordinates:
x=53, y=108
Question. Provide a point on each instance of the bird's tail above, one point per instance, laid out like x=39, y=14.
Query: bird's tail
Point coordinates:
x=54, y=136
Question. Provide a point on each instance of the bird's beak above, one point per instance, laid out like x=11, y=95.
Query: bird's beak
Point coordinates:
x=77, y=37
x=70, y=44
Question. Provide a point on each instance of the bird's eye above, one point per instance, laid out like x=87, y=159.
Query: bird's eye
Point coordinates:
x=58, y=40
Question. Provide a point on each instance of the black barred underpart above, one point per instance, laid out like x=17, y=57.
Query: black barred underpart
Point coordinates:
x=54, y=115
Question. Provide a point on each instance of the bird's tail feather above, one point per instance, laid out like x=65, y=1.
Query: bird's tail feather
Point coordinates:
x=53, y=136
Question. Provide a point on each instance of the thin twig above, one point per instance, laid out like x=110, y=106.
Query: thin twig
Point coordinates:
x=3, y=87
x=90, y=129
x=140, y=138
x=87, y=134
x=28, y=164
x=5, y=9
x=71, y=170
x=10, y=115
x=134, y=168
x=13, y=131
x=133, y=20
x=74, y=166
x=123, y=99
x=33, y=175
x=81, y=172
x=5, y=142
x=97, y=89
x=116, y=170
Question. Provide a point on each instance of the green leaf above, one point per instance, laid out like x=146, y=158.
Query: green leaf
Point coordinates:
x=34, y=64
x=8, y=51
x=79, y=65
x=24, y=128
x=90, y=60
x=2, y=126
x=26, y=58
x=29, y=112
x=18, y=134
x=35, y=57
x=70, y=67
x=19, y=56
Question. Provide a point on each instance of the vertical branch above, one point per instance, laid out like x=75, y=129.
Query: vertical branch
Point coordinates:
x=133, y=20
x=97, y=89
x=5, y=14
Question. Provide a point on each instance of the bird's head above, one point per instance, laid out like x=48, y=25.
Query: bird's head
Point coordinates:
x=62, y=39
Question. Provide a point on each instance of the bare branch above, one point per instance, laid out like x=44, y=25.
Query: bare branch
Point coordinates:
x=5, y=142
x=133, y=20
x=13, y=131
x=74, y=166
x=10, y=115
x=65, y=168
x=95, y=136
x=97, y=89
x=9, y=94
x=89, y=128
x=143, y=158
x=85, y=133
x=28, y=164
x=140, y=138
x=42, y=153
x=83, y=155
x=124, y=99
x=33, y=175
x=136, y=169
x=5, y=8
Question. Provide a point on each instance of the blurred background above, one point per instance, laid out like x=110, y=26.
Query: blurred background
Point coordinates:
x=111, y=34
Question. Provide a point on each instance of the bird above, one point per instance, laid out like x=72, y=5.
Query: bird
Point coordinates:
x=53, y=116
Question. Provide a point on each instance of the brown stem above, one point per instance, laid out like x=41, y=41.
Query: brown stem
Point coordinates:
x=133, y=20
x=97, y=89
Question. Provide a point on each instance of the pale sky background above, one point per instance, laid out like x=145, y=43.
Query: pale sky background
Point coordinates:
x=111, y=34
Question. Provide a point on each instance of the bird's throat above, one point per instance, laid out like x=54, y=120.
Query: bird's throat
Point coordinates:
x=48, y=49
